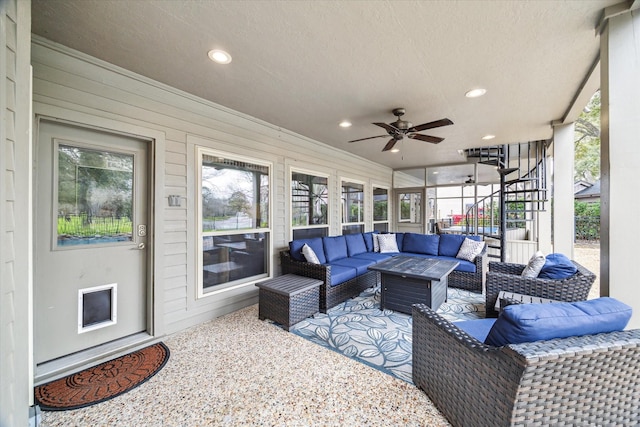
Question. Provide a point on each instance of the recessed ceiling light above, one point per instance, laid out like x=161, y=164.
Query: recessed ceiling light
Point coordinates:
x=488, y=137
x=345, y=124
x=219, y=56
x=474, y=93
x=435, y=172
x=395, y=150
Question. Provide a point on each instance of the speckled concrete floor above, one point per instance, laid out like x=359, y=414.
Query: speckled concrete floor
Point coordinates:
x=240, y=371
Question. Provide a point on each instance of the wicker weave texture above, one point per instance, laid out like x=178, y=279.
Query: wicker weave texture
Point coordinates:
x=288, y=309
x=588, y=380
x=507, y=277
x=471, y=281
x=330, y=296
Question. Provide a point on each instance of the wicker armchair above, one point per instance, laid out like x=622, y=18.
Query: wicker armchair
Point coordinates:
x=507, y=277
x=588, y=380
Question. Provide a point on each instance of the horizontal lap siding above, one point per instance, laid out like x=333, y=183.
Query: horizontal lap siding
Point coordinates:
x=69, y=80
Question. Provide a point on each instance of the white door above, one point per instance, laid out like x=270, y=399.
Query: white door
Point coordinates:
x=410, y=210
x=90, y=237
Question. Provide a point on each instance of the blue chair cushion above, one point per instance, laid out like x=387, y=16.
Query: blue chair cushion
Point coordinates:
x=368, y=240
x=557, y=266
x=420, y=243
x=450, y=243
x=340, y=274
x=359, y=264
x=374, y=256
x=537, y=322
x=295, y=249
x=335, y=248
x=479, y=329
x=355, y=244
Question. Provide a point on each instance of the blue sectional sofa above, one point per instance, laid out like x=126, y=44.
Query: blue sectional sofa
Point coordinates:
x=343, y=262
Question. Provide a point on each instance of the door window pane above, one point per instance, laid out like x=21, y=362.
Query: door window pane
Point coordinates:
x=410, y=207
x=95, y=196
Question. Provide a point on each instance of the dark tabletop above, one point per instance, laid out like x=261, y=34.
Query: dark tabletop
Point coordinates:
x=415, y=267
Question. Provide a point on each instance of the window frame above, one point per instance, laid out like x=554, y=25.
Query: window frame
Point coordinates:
x=387, y=221
x=309, y=172
x=200, y=234
x=362, y=221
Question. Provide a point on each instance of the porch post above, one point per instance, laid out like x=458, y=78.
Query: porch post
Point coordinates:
x=563, y=212
x=620, y=161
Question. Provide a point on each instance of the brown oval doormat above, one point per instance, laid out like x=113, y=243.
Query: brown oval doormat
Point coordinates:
x=102, y=382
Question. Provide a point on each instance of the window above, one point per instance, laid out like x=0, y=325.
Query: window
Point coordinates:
x=309, y=205
x=380, y=209
x=352, y=207
x=234, y=220
x=409, y=205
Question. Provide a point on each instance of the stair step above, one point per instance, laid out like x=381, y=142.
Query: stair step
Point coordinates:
x=493, y=256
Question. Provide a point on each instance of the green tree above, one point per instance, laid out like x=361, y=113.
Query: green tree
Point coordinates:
x=587, y=142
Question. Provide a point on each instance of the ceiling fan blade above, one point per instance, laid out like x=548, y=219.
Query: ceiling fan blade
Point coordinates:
x=371, y=137
x=431, y=125
x=390, y=144
x=388, y=128
x=427, y=138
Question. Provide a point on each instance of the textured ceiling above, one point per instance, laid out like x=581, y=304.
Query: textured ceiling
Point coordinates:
x=307, y=65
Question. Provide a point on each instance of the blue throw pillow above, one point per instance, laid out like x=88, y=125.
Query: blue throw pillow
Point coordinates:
x=368, y=240
x=557, y=266
x=537, y=322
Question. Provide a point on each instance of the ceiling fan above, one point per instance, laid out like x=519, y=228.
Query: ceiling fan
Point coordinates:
x=401, y=128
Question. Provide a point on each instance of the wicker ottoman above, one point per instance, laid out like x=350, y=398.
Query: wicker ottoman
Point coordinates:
x=288, y=299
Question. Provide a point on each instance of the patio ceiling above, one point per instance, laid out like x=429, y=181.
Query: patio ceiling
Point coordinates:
x=306, y=65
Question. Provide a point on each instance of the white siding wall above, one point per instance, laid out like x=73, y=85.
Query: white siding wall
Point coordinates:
x=73, y=86
x=15, y=374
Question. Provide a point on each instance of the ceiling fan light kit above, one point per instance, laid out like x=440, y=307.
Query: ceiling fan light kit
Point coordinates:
x=400, y=129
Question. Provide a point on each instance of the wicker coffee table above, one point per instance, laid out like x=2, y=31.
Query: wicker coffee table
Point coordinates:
x=408, y=280
x=288, y=299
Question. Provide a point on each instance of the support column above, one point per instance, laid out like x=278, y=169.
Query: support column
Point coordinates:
x=620, y=162
x=563, y=212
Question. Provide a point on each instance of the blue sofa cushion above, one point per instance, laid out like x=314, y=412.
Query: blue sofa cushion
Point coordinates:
x=479, y=328
x=340, y=274
x=420, y=243
x=295, y=249
x=536, y=322
x=557, y=266
x=450, y=243
x=400, y=240
x=359, y=264
x=335, y=248
x=368, y=240
x=463, y=265
x=355, y=244
x=374, y=256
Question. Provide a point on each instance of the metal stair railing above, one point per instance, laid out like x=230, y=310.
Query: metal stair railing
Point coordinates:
x=518, y=198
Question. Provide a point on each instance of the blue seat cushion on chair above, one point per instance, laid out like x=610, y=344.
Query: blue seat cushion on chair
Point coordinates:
x=335, y=248
x=479, y=328
x=450, y=243
x=355, y=244
x=374, y=256
x=557, y=266
x=421, y=243
x=359, y=264
x=295, y=249
x=536, y=322
x=368, y=240
x=340, y=274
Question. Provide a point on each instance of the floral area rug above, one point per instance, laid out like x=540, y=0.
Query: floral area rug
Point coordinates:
x=357, y=328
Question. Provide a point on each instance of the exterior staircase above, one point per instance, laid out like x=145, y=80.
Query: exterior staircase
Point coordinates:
x=522, y=194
